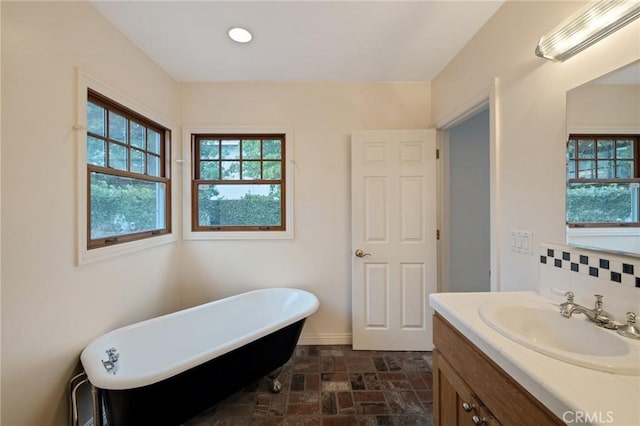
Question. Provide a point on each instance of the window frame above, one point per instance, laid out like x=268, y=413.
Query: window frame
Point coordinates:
x=595, y=136
x=191, y=230
x=198, y=180
x=89, y=251
x=165, y=150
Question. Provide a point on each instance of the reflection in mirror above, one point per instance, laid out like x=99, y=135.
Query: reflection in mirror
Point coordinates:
x=603, y=162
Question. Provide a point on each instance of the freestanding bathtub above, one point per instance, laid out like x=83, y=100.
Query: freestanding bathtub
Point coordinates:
x=166, y=370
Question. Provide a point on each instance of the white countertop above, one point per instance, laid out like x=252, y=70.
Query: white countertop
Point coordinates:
x=575, y=394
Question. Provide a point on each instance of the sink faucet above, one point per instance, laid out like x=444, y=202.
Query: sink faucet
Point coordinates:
x=597, y=314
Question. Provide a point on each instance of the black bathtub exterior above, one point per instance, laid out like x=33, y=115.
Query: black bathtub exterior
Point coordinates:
x=177, y=399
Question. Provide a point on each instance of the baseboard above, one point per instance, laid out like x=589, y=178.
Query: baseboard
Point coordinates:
x=326, y=339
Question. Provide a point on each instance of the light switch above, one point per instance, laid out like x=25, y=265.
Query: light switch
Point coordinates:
x=522, y=242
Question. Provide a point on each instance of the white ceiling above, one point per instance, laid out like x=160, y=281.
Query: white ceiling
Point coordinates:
x=301, y=40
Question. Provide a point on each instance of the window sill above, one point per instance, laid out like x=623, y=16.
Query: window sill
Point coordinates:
x=238, y=235
x=86, y=256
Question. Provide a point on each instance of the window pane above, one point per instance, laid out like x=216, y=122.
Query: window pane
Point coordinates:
x=120, y=206
x=95, y=119
x=586, y=149
x=137, y=135
x=272, y=150
x=209, y=150
x=605, y=169
x=624, y=170
x=602, y=203
x=571, y=169
x=251, y=149
x=153, y=141
x=624, y=149
x=210, y=170
x=117, y=127
x=605, y=149
x=250, y=170
x=571, y=149
x=96, y=152
x=230, y=170
x=271, y=170
x=239, y=205
x=137, y=161
x=230, y=150
x=586, y=170
x=117, y=156
x=153, y=165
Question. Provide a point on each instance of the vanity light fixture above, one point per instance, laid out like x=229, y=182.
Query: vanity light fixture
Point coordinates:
x=240, y=35
x=595, y=21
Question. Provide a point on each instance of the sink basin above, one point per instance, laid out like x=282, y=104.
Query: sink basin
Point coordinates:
x=539, y=326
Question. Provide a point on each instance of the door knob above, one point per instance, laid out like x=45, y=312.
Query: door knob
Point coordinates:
x=361, y=253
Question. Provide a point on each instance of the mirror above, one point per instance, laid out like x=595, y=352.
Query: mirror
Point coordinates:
x=603, y=163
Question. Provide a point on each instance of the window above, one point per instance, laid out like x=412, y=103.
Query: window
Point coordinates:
x=603, y=180
x=128, y=186
x=239, y=182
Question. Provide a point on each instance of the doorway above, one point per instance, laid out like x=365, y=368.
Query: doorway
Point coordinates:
x=469, y=208
x=468, y=213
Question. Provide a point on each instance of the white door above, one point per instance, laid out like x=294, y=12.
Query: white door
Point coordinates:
x=393, y=238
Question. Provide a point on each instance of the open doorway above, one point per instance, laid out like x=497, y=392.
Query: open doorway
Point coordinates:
x=468, y=196
x=469, y=208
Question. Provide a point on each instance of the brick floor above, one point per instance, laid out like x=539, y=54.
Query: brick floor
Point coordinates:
x=335, y=386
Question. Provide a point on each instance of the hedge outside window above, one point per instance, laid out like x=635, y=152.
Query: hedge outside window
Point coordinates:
x=603, y=180
x=128, y=184
x=238, y=182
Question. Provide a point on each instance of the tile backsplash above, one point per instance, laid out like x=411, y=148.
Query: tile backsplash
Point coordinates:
x=589, y=272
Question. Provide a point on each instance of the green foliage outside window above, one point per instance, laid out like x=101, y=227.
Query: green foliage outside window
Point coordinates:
x=123, y=205
x=248, y=210
x=601, y=203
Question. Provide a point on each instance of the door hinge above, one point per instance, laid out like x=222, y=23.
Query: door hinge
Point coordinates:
x=437, y=154
x=437, y=234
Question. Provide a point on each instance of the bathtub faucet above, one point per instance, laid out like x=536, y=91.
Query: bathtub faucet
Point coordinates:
x=112, y=364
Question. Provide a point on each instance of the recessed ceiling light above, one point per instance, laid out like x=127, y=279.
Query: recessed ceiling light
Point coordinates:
x=240, y=35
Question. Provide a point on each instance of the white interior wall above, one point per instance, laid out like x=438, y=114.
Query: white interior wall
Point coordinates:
x=603, y=106
x=51, y=308
x=319, y=258
x=469, y=208
x=531, y=119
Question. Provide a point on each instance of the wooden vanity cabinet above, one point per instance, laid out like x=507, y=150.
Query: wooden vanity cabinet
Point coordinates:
x=455, y=403
x=469, y=388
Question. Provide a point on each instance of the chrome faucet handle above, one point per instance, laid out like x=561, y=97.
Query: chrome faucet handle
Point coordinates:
x=598, y=306
x=602, y=317
x=567, y=306
x=629, y=329
x=113, y=354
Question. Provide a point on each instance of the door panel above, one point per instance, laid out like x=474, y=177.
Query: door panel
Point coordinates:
x=394, y=224
x=413, y=297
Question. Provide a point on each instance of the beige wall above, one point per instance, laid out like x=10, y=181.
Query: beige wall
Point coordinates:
x=319, y=258
x=606, y=106
x=50, y=308
x=531, y=116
